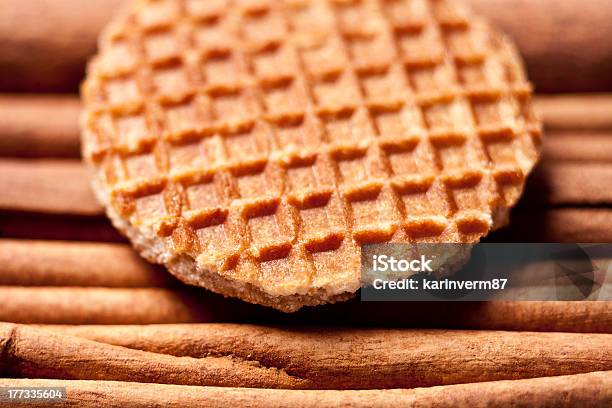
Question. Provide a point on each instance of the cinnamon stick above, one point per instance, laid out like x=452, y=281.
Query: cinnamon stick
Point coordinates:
x=44, y=44
x=556, y=38
x=51, y=186
x=569, y=183
x=557, y=225
x=74, y=305
x=344, y=358
x=549, y=316
x=578, y=146
x=149, y=306
x=576, y=112
x=565, y=43
x=48, y=263
x=34, y=353
x=591, y=389
x=304, y=358
x=39, y=125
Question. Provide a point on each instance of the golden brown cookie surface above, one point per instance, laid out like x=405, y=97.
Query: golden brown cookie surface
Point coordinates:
x=253, y=146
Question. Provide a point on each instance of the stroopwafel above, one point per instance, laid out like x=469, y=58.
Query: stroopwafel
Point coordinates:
x=253, y=146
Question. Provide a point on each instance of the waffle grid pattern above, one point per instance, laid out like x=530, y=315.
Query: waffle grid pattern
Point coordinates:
x=270, y=139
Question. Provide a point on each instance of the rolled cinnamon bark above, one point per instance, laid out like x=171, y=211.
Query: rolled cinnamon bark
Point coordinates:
x=304, y=358
x=591, y=389
x=34, y=353
x=74, y=305
x=557, y=225
x=556, y=38
x=548, y=316
x=149, y=306
x=39, y=126
x=569, y=183
x=578, y=146
x=344, y=358
x=575, y=111
x=44, y=44
x=48, y=263
x=49, y=186
x=565, y=43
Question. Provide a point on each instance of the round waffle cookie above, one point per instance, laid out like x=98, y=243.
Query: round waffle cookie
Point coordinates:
x=253, y=146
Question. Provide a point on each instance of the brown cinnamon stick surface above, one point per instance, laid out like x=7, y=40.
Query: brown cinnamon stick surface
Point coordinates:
x=50, y=186
x=576, y=146
x=569, y=183
x=73, y=305
x=44, y=44
x=39, y=125
x=591, y=389
x=34, y=353
x=576, y=111
x=344, y=358
x=307, y=358
x=551, y=316
x=557, y=225
x=48, y=263
x=565, y=43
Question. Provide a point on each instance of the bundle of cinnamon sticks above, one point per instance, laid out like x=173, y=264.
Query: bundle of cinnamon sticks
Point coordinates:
x=81, y=310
